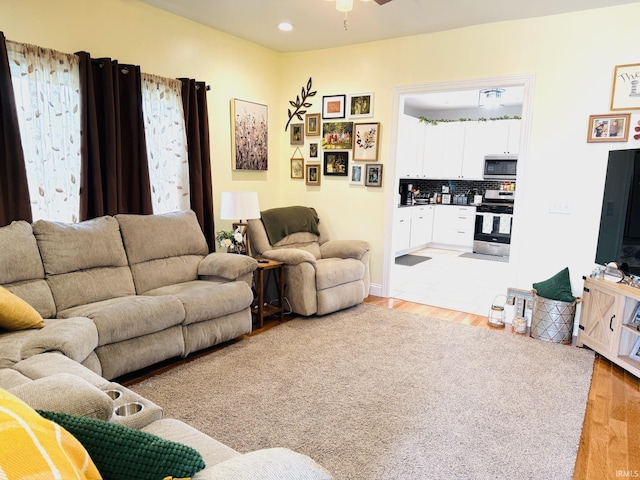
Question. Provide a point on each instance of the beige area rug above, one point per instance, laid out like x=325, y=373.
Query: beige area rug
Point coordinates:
x=372, y=393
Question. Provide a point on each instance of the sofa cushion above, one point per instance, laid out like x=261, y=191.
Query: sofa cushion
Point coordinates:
x=33, y=447
x=124, y=318
x=204, y=300
x=74, y=337
x=37, y=294
x=16, y=314
x=66, y=393
x=269, y=464
x=162, y=249
x=20, y=259
x=84, y=262
x=11, y=346
x=331, y=272
x=122, y=452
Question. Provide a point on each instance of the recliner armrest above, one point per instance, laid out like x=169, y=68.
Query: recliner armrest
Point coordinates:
x=344, y=249
x=290, y=256
x=74, y=337
x=226, y=265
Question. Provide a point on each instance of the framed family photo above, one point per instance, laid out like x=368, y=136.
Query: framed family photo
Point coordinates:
x=297, y=134
x=635, y=351
x=336, y=163
x=313, y=150
x=625, y=93
x=373, y=175
x=249, y=135
x=313, y=175
x=609, y=128
x=356, y=174
x=366, y=140
x=360, y=105
x=312, y=124
x=337, y=135
x=333, y=106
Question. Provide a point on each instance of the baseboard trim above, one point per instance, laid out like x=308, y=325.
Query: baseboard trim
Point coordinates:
x=375, y=289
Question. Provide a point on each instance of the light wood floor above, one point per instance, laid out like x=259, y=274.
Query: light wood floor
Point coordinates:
x=610, y=441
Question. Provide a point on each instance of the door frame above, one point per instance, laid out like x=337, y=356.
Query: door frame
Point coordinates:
x=526, y=80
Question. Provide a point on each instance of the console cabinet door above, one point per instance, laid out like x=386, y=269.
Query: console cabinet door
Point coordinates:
x=601, y=316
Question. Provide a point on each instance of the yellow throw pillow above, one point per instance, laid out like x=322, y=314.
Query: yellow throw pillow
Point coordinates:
x=32, y=447
x=16, y=314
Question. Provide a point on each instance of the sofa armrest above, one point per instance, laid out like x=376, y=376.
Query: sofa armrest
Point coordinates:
x=226, y=265
x=74, y=337
x=290, y=256
x=344, y=249
x=267, y=464
x=65, y=393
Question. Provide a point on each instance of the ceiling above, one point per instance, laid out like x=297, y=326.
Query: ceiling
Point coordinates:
x=511, y=96
x=317, y=23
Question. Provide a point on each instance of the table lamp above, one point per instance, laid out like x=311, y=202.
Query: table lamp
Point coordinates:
x=240, y=206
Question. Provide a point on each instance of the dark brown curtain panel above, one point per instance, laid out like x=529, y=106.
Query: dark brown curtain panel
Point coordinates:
x=14, y=191
x=194, y=99
x=115, y=173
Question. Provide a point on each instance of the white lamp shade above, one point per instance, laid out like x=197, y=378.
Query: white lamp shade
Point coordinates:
x=239, y=206
x=344, y=5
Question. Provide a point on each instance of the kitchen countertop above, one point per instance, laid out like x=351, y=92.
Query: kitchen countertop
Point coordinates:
x=439, y=204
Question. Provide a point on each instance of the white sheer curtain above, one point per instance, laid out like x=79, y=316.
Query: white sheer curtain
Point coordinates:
x=46, y=85
x=166, y=138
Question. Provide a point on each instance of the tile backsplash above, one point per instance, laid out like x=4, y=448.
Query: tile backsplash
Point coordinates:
x=456, y=187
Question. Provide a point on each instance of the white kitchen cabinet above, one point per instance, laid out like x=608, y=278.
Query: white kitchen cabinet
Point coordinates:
x=410, y=147
x=607, y=311
x=453, y=225
x=443, y=150
x=421, y=225
x=492, y=137
x=402, y=229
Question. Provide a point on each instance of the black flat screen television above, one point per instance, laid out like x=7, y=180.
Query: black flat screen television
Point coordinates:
x=619, y=237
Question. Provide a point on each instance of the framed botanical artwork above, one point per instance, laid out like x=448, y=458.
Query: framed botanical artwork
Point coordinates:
x=337, y=135
x=366, y=140
x=313, y=175
x=373, y=175
x=249, y=135
x=336, y=163
x=297, y=134
x=312, y=124
x=360, y=105
x=333, y=106
x=609, y=128
x=635, y=351
x=297, y=168
x=313, y=150
x=356, y=174
x=625, y=93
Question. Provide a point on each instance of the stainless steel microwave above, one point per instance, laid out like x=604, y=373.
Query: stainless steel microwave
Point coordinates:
x=500, y=167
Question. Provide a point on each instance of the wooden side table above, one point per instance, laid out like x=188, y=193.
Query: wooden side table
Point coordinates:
x=261, y=309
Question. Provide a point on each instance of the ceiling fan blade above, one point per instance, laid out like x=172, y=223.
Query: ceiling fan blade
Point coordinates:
x=382, y=2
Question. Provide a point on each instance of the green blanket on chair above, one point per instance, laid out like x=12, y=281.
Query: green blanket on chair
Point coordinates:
x=280, y=222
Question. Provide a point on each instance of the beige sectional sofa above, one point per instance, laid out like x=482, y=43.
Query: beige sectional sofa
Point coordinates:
x=118, y=294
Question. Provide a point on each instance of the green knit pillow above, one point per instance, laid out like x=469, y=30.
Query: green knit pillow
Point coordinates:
x=120, y=452
x=557, y=287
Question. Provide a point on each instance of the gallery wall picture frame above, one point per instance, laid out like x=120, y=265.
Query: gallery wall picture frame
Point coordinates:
x=297, y=134
x=373, y=175
x=312, y=124
x=337, y=135
x=312, y=175
x=297, y=168
x=333, y=106
x=609, y=128
x=313, y=150
x=249, y=135
x=360, y=105
x=625, y=92
x=366, y=140
x=356, y=174
x=336, y=164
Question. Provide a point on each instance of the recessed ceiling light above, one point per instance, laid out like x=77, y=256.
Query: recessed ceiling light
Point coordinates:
x=285, y=26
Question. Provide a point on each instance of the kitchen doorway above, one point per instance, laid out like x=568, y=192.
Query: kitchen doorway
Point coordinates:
x=449, y=280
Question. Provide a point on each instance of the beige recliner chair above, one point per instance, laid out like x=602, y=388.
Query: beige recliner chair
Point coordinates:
x=321, y=275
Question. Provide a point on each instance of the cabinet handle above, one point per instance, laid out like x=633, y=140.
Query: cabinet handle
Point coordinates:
x=611, y=322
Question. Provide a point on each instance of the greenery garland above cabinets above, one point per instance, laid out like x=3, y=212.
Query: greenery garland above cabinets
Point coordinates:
x=432, y=121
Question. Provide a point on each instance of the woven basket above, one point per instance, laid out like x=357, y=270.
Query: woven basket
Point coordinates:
x=552, y=320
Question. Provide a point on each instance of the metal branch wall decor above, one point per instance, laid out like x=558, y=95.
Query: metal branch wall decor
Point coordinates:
x=300, y=103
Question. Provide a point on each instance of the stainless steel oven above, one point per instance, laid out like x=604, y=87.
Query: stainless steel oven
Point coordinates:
x=494, y=219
